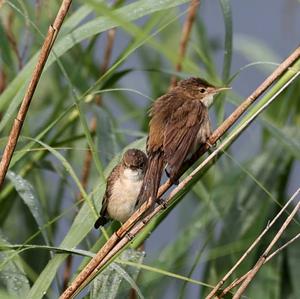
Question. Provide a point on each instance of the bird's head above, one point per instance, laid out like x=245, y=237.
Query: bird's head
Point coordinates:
x=200, y=89
x=134, y=159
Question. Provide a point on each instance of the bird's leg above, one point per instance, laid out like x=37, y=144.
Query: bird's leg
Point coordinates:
x=162, y=202
x=129, y=236
x=149, y=208
x=210, y=147
x=176, y=182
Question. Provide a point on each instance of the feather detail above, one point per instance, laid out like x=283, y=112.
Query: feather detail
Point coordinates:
x=152, y=178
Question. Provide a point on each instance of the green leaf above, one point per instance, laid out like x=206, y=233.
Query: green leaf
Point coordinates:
x=294, y=269
x=28, y=195
x=72, y=173
x=4, y=295
x=12, y=274
x=25, y=247
x=105, y=135
x=110, y=282
x=288, y=137
x=130, y=12
x=5, y=53
x=174, y=256
x=76, y=18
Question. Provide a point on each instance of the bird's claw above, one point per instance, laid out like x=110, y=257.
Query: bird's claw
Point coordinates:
x=176, y=182
x=162, y=202
x=210, y=146
x=129, y=236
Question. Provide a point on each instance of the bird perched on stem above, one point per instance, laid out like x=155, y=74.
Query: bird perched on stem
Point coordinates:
x=179, y=124
x=122, y=188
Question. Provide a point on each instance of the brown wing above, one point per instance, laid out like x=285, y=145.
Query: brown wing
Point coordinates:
x=151, y=179
x=181, y=132
x=160, y=113
x=104, y=217
x=108, y=191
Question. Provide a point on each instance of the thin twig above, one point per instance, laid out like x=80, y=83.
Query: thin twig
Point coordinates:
x=283, y=247
x=228, y=274
x=111, y=36
x=19, y=120
x=236, y=282
x=121, y=236
x=185, y=35
x=263, y=257
x=87, y=162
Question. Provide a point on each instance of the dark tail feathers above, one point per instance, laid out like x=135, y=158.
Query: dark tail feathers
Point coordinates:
x=152, y=178
x=101, y=221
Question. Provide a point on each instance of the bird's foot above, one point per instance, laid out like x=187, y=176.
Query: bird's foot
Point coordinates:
x=162, y=202
x=175, y=182
x=210, y=146
x=129, y=236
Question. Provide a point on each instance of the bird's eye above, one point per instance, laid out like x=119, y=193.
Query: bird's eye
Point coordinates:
x=202, y=90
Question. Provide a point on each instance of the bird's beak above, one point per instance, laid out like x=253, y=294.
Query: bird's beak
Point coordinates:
x=222, y=89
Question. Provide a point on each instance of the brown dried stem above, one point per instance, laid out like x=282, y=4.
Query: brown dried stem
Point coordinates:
x=19, y=120
x=242, y=258
x=120, y=238
x=283, y=247
x=185, y=35
x=236, y=282
x=111, y=35
x=264, y=256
